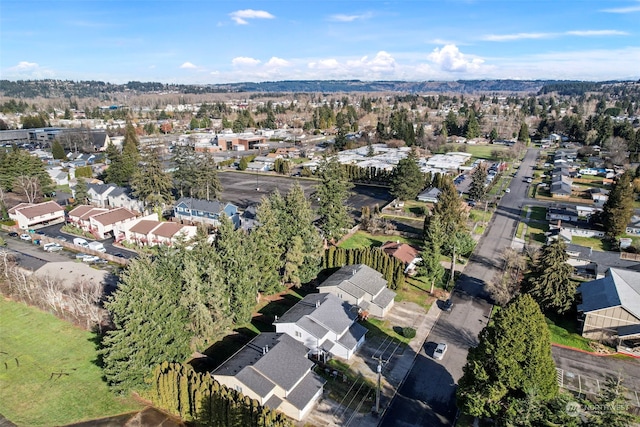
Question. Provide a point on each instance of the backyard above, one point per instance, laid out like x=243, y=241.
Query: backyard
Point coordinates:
x=51, y=374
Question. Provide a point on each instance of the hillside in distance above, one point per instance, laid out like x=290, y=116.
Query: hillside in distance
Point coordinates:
x=98, y=89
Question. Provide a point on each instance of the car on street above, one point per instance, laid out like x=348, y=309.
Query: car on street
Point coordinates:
x=440, y=350
x=52, y=247
x=62, y=238
x=529, y=180
x=447, y=305
x=13, y=234
x=25, y=236
x=90, y=258
x=508, y=190
x=81, y=256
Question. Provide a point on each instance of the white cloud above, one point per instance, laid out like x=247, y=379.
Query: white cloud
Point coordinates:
x=383, y=62
x=277, y=62
x=24, y=66
x=188, y=66
x=349, y=18
x=240, y=16
x=517, y=36
x=243, y=61
x=535, y=36
x=449, y=58
x=324, y=64
x=628, y=9
x=591, y=33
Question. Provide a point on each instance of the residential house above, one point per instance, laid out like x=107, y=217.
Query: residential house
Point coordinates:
x=112, y=196
x=325, y=324
x=430, y=195
x=563, y=214
x=634, y=225
x=599, y=196
x=101, y=222
x=274, y=370
x=409, y=255
x=208, y=212
x=34, y=215
x=149, y=232
x=58, y=176
x=610, y=306
x=361, y=285
x=560, y=186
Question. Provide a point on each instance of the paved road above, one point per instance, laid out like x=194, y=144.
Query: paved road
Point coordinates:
x=427, y=397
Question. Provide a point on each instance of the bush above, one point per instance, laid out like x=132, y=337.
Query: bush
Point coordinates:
x=408, y=332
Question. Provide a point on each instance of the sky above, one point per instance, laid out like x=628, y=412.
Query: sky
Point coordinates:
x=226, y=41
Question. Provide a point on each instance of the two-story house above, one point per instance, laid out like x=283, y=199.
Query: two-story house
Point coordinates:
x=363, y=286
x=274, y=369
x=148, y=232
x=30, y=215
x=208, y=212
x=101, y=222
x=112, y=196
x=325, y=324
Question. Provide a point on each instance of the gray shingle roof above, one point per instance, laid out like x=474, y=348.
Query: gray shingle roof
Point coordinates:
x=305, y=390
x=213, y=206
x=256, y=381
x=359, y=275
x=353, y=335
x=318, y=313
x=618, y=288
x=384, y=298
x=273, y=402
x=285, y=363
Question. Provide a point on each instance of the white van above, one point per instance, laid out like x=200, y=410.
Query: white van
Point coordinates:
x=80, y=242
x=97, y=246
x=52, y=247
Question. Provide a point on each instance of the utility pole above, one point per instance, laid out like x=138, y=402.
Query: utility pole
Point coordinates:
x=376, y=411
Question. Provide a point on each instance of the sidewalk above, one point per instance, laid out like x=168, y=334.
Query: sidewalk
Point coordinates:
x=393, y=377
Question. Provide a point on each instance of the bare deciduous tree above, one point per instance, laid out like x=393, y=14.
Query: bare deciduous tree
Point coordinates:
x=506, y=283
x=29, y=186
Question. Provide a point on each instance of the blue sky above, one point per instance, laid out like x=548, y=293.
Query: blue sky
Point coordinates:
x=211, y=41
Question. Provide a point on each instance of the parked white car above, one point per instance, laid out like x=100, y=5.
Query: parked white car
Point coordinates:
x=440, y=350
x=25, y=236
x=90, y=258
x=52, y=247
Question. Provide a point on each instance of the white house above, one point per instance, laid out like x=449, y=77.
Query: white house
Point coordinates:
x=363, y=286
x=274, y=370
x=29, y=215
x=325, y=324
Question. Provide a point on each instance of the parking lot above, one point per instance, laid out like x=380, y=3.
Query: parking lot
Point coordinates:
x=245, y=189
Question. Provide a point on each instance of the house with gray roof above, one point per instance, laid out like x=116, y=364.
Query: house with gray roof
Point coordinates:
x=610, y=306
x=207, y=212
x=113, y=196
x=324, y=323
x=274, y=369
x=430, y=195
x=363, y=286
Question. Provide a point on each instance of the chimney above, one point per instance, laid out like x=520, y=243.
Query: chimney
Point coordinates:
x=317, y=303
x=353, y=272
x=559, y=223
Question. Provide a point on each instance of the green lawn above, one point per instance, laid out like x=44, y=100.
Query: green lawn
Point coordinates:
x=49, y=374
x=564, y=331
x=362, y=239
x=483, y=151
x=538, y=213
x=595, y=243
x=520, y=230
x=535, y=232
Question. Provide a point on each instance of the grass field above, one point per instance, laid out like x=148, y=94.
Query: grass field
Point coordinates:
x=48, y=373
x=362, y=239
x=483, y=151
x=538, y=213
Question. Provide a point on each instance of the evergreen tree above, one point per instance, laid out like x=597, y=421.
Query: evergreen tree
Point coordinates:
x=407, y=180
x=81, y=192
x=613, y=406
x=18, y=163
x=449, y=207
x=430, y=266
x=297, y=218
x=523, y=134
x=451, y=124
x=512, y=358
x=205, y=183
x=267, y=246
x=150, y=183
x=472, y=126
x=477, y=189
x=493, y=135
x=549, y=281
x=123, y=163
x=237, y=271
x=149, y=326
x=333, y=192
x=57, y=150
x=618, y=209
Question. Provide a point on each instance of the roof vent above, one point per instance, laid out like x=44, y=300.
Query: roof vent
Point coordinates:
x=353, y=272
x=317, y=303
x=276, y=317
